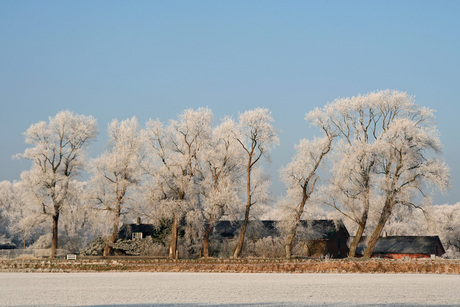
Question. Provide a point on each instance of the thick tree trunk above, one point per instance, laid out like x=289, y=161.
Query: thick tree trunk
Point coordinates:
x=363, y=221
x=116, y=221
x=355, y=242
x=386, y=212
x=54, y=241
x=240, y=244
x=299, y=212
x=288, y=246
x=360, y=231
x=173, y=245
x=207, y=233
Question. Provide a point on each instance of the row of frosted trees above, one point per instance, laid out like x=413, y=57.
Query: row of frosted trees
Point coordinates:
x=382, y=150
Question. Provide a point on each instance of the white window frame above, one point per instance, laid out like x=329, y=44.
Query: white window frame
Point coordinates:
x=137, y=235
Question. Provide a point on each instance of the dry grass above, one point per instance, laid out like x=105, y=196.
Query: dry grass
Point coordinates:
x=233, y=265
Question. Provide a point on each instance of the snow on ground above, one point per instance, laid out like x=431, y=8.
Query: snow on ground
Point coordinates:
x=226, y=289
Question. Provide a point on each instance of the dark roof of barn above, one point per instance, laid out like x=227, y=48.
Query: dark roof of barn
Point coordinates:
x=403, y=245
x=312, y=229
x=227, y=229
x=323, y=229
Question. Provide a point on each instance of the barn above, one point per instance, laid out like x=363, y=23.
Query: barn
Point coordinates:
x=320, y=238
x=325, y=238
x=398, y=247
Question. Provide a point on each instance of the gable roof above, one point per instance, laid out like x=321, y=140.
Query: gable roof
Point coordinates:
x=322, y=229
x=404, y=245
x=308, y=230
x=228, y=229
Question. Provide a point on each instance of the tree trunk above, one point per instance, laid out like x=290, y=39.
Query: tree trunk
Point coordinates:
x=291, y=236
x=207, y=233
x=116, y=221
x=386, y=212
x=239, y=245
x=363, y=221
x=54, y=241
x=288, y=246
x=173, y=246
x=354, y=244
x=360, y=231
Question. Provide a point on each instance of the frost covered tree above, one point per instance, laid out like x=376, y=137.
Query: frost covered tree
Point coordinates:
x=174, y=168
x=445, y=221
x=408, y=161
x=11, y=209
x=358, y=121
x=20, y=223
x=57, y=154
x=350, y=190
x=79, y=225
x=257, y=136
x=6, y=200
x=300, y=177
x=220, y=171
x=117, y=172
x=369, y=126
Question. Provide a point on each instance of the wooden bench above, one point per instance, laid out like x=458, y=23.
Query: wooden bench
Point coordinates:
x=71, y=257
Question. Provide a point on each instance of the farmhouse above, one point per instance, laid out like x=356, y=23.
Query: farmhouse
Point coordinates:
x=319, y=238
x=141, y=231
x=398, y=247
x=135, y=231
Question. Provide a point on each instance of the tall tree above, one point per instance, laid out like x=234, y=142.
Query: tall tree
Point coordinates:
x=350, y=190
x=300, y=177
x=117, y=172
x=364, y=123
x=174, y=166
x=407, y=161
x=386, y=153
x=57, y=156
x=221, y=170
x=257, y=137
x=358, y=121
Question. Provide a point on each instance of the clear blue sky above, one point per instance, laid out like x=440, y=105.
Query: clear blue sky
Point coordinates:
x=153, y=59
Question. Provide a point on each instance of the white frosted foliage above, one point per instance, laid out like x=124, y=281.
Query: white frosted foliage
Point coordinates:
x=58, y=155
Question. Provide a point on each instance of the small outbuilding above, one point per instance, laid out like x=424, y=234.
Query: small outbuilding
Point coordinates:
x=398, y=247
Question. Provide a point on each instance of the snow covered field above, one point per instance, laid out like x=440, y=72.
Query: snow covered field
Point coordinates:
x=228, y=289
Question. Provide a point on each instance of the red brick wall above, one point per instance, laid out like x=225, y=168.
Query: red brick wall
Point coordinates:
x=400, y=256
